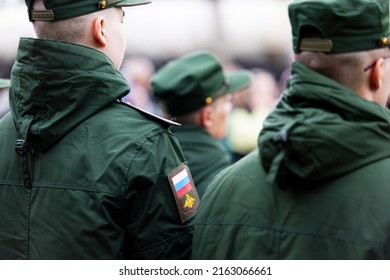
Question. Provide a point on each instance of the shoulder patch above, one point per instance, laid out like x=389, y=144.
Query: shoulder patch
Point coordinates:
x=153, y=116
x=184, y=191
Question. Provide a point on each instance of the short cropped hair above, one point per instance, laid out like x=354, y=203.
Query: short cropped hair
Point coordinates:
x=69, y=30
x=345, y=68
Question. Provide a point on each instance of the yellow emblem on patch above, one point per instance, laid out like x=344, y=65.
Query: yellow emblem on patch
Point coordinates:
x=189, y=201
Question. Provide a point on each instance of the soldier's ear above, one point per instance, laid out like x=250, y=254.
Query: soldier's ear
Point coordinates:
x=376, y=74
x=206, y=117
x=99, y=31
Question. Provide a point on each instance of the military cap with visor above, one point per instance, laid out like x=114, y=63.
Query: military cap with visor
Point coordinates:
x=190, y=82
x=64, y=9
x=345, y=25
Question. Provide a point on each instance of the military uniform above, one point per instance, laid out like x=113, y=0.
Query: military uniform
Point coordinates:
x=318, y=186
x=184, y=87
x=91, y=177
x=205, y=155
x=331, y=196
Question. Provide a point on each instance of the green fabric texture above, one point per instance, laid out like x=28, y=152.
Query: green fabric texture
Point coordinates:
x=329, y=152
x=351, y=25
x=306, y=135
x=65, y=9
x=204, y=154
x=192, y=81
x=243, y=217
x=51, y=98
x=100, y=188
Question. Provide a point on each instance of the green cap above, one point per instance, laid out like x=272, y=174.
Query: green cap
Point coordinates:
x=192, y=81
x=346, y=25
x=4, y=83
x=64, y=9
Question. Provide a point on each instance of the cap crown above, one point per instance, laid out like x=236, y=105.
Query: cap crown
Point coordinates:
x=346, y=25
x=185, y=84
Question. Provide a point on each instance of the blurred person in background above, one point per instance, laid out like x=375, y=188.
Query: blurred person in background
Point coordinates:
x=250, y=108
x=195, y=91
x=138, y=70
x=4, y=83
x=4, y=104
x=84, y=175
x=318, y=186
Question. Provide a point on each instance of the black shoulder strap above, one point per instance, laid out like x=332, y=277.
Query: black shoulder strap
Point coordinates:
x=153, y=116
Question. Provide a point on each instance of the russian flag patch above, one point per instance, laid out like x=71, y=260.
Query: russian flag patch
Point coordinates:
x=186, y=196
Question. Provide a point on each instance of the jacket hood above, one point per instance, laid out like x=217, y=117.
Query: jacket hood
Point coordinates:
x=321, y=130
x=56, y=85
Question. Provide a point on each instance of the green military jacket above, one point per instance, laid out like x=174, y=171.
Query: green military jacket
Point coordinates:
x=95, y=183
x=318, y=187
x=205, y=155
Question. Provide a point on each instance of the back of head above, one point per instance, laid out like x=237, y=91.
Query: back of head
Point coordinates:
x=337, y=38
x=70, y=30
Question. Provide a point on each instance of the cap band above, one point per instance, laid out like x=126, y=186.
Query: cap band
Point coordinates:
x=316, y=45
x=42, y=15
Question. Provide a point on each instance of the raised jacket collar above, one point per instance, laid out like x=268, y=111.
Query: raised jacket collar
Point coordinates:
x=321, y=130
x=57, y=85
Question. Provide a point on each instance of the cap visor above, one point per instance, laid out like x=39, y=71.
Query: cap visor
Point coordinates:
x=238, y=80
x=129, y=3
x=4, y=83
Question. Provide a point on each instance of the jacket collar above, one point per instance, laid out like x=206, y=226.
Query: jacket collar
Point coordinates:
x=319, y=130
x=56, y=85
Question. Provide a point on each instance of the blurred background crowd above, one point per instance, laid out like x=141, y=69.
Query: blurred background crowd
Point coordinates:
x=250, y=34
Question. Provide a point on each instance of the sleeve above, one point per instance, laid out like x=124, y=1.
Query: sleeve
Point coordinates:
x=155, y=228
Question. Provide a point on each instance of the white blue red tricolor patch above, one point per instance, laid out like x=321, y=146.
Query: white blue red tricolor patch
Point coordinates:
x=186, y=196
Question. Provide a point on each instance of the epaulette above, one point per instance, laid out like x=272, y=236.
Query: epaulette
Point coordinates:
x=150, y=115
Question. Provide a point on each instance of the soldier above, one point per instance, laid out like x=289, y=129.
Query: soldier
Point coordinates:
x=318, y=186
x=195, y=91
x=84, y=175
